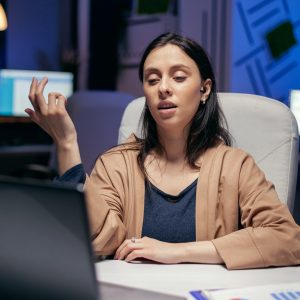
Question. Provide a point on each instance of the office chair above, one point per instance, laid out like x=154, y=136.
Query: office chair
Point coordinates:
x=263, y=127
x=97, y=116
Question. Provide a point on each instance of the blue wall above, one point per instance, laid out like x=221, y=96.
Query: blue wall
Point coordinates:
x=254, y=68
x=32, y=37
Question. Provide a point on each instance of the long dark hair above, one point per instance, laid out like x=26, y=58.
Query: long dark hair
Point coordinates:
x=208, y=126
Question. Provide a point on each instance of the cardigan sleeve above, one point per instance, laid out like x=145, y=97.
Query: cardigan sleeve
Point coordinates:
x=104, y=198
x=270, y=236
x=75, y=174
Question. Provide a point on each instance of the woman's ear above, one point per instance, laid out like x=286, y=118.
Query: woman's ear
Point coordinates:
x=206, y=88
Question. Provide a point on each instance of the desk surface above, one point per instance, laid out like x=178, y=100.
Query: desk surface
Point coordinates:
x=182, y=278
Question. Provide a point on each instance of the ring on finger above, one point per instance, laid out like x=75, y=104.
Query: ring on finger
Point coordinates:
x=133, y=239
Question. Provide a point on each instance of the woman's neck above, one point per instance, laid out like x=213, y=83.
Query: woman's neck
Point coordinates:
x=170, y=171
x=174, y=145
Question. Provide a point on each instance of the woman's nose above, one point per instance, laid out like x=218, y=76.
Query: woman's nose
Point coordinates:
x=165, y=88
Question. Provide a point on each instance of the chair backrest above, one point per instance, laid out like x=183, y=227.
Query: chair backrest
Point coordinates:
x=263, y=127
x=97, y=116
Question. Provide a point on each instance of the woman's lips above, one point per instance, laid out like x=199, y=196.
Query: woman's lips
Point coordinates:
x=166, y=105
x=167, y=109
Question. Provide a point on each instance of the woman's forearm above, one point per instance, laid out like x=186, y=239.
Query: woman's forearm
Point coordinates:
x=200, y=252
x=68, y=156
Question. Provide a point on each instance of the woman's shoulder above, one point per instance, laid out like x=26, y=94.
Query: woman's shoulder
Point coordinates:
x=229, y=160
x=231, y=150
x=228, y=153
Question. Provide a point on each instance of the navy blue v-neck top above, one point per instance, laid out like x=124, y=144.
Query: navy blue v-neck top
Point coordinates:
x=170, y=218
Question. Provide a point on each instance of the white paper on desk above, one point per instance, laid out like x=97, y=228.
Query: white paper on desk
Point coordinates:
x=286, y=291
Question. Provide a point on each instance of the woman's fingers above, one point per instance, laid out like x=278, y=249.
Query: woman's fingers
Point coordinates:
x=32, y=90
x=127, y=247
x=33, y=115
x=56, y=101
x=39, y=97
x=36, y=94
x=61, y=101
x=121, y=248
x=51, y=101
x=117, y=253
x=30, y=113
x=35, y=118
x=134, y=255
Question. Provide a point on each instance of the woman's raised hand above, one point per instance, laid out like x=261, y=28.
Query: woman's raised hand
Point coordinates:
x=53, y=117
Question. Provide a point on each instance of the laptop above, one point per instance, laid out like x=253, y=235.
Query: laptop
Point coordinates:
x=45, y=249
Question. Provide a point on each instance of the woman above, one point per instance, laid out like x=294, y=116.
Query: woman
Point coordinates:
x=181, y=193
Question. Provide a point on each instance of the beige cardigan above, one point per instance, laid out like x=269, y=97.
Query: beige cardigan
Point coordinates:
x=232, y=193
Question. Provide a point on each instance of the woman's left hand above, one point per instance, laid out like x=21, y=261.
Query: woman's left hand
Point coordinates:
x=151, y=249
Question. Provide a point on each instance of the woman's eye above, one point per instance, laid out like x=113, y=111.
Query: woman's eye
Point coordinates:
x=152, y=81
x=179, y=78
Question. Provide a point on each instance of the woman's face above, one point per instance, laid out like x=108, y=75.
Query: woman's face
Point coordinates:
x=172, y=84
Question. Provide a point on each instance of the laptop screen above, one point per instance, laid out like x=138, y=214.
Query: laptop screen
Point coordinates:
x=45, y=248
x=14, y=88
x=295, y=105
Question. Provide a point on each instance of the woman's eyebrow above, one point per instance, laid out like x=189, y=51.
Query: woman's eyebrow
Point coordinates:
x=180, y=66
x=151, y=70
